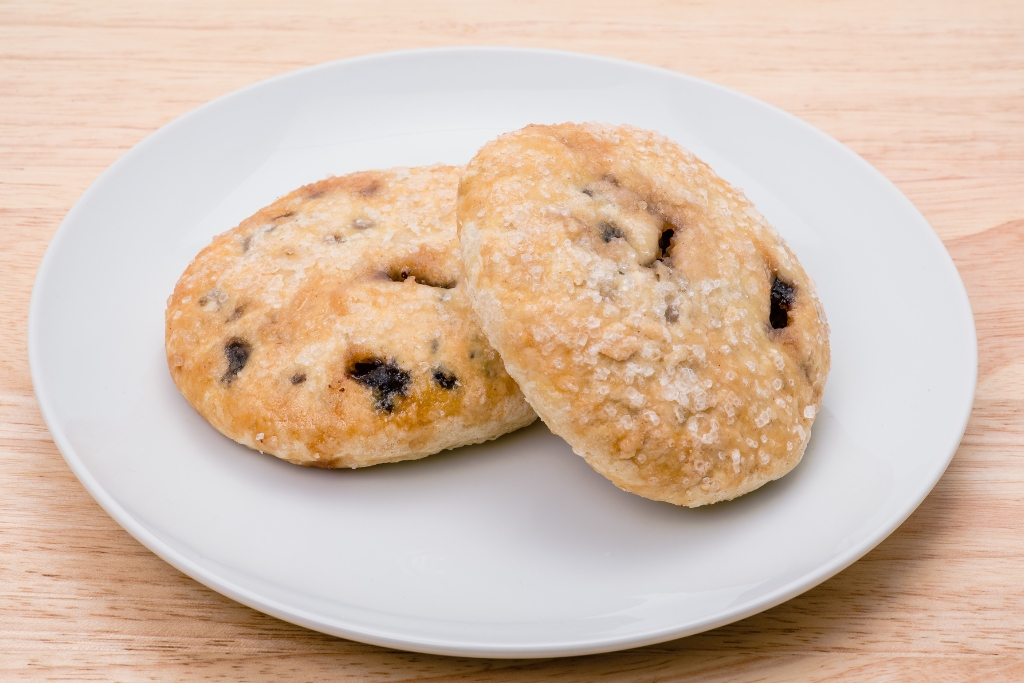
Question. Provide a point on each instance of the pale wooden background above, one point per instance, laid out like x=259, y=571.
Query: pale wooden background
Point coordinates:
x=930, y=92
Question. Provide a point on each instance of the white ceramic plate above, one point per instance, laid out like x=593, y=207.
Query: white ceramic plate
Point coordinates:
x=514, y=548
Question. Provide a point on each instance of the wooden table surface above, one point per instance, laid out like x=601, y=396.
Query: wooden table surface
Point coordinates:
x=929, y=92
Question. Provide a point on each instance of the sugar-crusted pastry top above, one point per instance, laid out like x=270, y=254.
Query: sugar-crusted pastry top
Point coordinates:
x=332, y=327
x=651, y=315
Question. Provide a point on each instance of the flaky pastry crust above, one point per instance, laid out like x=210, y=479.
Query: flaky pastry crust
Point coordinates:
x=333, y=329
x=649, y=313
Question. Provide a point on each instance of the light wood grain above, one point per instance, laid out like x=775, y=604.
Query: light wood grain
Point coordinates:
x=931, y=93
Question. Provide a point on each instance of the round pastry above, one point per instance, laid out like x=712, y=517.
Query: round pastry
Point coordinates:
x=332, y=328
x=649, y=313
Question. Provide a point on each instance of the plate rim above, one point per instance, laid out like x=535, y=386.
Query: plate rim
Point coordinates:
x=443, y=646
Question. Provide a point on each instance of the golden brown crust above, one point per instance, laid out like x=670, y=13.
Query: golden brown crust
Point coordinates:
x=332, y=327
x=629, y=290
